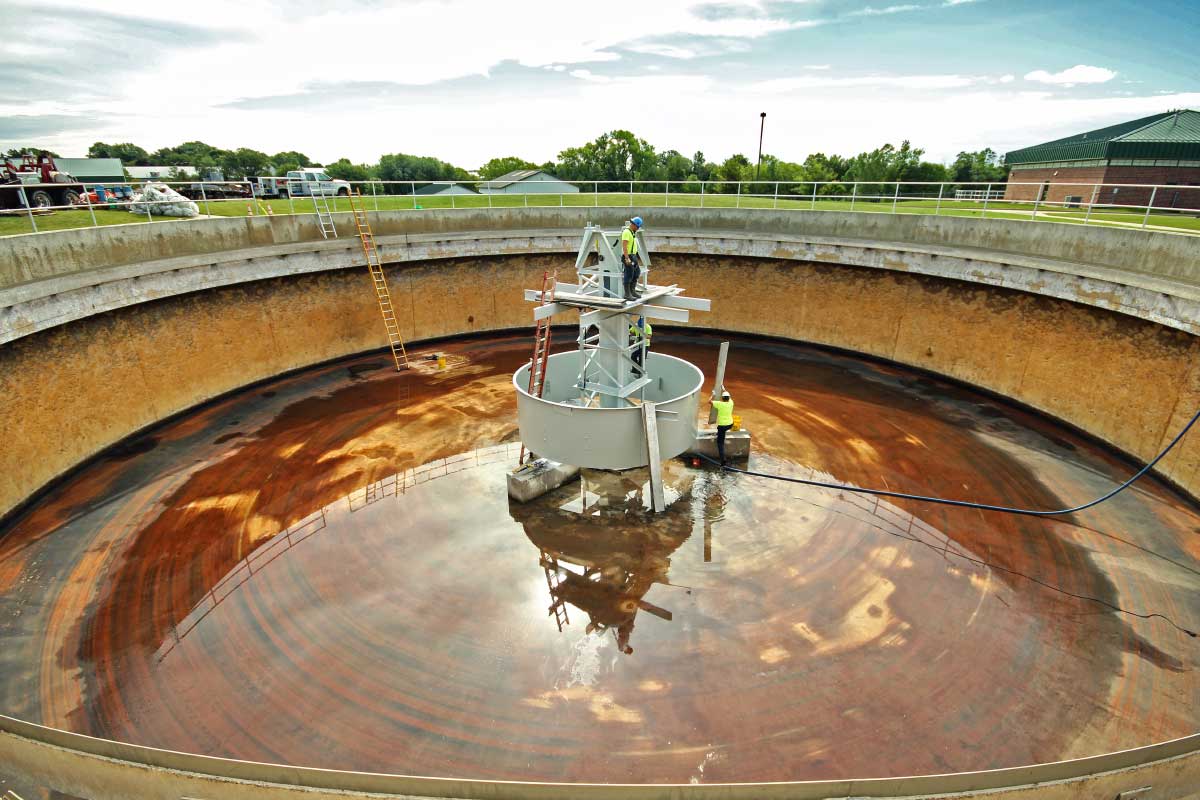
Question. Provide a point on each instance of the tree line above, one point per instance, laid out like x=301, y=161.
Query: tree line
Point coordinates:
x=612, y=158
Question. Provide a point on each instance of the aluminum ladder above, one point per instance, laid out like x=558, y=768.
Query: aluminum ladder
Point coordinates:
x=321, y=207
x=375, y=265
x=541, y=345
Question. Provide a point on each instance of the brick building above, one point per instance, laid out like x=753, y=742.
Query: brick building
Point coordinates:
x=1162, y=150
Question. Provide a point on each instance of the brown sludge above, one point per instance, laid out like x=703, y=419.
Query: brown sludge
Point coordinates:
x=326, y=571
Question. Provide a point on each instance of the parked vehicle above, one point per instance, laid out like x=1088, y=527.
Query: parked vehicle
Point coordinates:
x=213, y=191
x=269, y=186
x=314, y=181
x=30, y=171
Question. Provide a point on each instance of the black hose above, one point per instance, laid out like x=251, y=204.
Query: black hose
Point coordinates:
x=967, y=503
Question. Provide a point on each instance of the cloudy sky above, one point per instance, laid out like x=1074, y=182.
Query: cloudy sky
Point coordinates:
x=466, y=80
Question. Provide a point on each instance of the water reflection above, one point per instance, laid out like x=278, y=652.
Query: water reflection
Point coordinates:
x=602, y=550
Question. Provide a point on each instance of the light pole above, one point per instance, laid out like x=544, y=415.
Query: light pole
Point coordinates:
x=762, y=122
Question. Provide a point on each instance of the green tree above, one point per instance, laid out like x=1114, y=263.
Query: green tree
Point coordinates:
x=504, y=165
x=613, y=156
x=130, y=154
x=288, y=161
x=702, y=168
x=981, y=166
x=244, y=163
x=17, y=152
x=735, y=168
x=403, y=167
x=343, y=169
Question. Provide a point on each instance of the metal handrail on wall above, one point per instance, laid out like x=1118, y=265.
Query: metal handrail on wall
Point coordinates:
x=1175, y=208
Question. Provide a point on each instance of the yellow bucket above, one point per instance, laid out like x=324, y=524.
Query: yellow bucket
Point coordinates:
x=737, y=422
x=441, y=360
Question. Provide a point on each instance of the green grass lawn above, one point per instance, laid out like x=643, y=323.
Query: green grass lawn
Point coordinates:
x=62, y=220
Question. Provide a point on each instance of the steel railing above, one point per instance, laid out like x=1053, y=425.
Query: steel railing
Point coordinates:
x=1144, y=206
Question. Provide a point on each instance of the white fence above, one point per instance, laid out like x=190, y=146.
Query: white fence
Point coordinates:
x=1167, y=207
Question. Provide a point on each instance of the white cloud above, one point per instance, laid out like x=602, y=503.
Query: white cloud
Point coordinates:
x=818, y=66
x=781, y=85
x=958, y=2
x=664, y=50
x=1080, y=73
x=588, y=75
x=871, y=11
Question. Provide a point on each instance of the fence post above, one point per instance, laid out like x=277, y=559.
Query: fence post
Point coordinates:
x=895, y=197
x=1037, y=201
x=702, y=194
x=667, y=195
x=88, y=199
x=1088, y=215
x=938, y=208
x=489, y=193
x=413, y=186
x=853, y=194
x=291, y=198
x=776, y=203
x=204, y=199
x=452, y=202
x=1149, y=206
x=148, y=217
x=631, y=194
x=375, y=197
x=986, y=196
x=253, y=199
x=28, y=208
x=738, y=202
x=814, y=197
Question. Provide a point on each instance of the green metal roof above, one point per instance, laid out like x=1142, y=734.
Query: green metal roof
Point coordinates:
x=1174, y=134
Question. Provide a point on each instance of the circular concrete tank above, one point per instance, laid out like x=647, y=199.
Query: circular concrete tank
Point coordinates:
x=318, y=578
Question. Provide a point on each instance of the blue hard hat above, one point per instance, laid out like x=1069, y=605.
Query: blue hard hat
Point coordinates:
x=637, y=221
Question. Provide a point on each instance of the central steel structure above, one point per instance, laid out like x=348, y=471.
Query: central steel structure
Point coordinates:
x=599, y=408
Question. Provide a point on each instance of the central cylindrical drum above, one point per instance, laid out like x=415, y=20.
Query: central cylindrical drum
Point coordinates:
x=558, y=427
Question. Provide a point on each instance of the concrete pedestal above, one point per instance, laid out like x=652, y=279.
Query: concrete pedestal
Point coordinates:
x=737, y=444
x=536, y=478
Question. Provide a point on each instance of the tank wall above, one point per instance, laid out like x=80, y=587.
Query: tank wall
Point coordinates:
x=67, y=393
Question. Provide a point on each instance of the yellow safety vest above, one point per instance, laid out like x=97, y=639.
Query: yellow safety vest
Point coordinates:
x=627, y=235
x=635, y=331
x=724, y=411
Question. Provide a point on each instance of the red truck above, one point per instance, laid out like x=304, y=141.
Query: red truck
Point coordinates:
x=30, y=170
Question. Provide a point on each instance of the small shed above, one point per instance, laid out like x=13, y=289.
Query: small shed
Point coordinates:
x=431, y=189
x=93, y=170
x=527, y=181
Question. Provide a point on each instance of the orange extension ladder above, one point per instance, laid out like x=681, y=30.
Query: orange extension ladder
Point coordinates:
x=375, y=265
x=541, y=345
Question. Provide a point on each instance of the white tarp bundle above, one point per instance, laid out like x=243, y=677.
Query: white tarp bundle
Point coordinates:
x=158, y=198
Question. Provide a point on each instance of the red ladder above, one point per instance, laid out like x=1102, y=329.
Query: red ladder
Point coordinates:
x=541, y=345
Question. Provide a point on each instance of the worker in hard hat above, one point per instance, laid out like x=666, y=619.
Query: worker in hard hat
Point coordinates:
x=630, y=258
x=637, y=332
x=724, y=408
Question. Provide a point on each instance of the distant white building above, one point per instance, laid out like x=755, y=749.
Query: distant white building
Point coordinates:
x=527, y=181
x=431, y=189
x=160, y=173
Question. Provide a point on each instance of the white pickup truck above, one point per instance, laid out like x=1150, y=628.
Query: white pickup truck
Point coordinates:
x=308, y=182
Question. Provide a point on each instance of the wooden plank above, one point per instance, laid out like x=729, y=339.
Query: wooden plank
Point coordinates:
x=658, y=498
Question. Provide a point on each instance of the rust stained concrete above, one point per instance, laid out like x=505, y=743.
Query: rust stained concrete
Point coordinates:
x=67, y=393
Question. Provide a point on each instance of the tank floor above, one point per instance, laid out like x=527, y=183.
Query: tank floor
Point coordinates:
x=327, y=571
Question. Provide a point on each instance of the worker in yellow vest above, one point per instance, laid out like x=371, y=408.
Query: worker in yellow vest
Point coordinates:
x=724, y=408
x=637, y=332
x=630, y=258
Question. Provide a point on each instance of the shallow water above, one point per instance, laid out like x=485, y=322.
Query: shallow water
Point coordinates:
x=327, y=571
